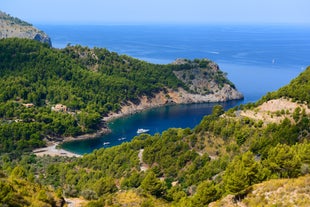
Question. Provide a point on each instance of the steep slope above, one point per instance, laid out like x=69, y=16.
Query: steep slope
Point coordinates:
x=298, y=90
x=47, y=92
x=203, y=77
x=225, y=154
x=281, y=192
x=14, y=27
x=17, y=191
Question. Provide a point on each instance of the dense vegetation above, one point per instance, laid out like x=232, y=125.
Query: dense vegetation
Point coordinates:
x=89, y=83
x=185, y=167
x=297, y=90
x=224, y=154
x=16, y=191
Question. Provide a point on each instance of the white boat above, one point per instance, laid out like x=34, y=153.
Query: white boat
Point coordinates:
x=121, y=139
x=140, y=131
x=106, y=143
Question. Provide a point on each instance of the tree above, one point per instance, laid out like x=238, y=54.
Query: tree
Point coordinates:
x=217, y=111
x=283, y=162
x=206, y=193
x=243, y=172
x=105, y=185
x=153, y=185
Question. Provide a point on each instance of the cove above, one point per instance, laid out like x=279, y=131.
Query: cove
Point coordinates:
x=155, y=120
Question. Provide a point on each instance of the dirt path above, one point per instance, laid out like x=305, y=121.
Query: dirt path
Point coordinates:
x=143, y=166
x=75, y=202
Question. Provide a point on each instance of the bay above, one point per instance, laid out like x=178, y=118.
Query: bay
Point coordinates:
x=257, y=58
x=155, y=120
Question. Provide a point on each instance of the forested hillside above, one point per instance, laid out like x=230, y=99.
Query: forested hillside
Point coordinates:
x=47, y=93
x=298, y=89
x=222, y=157
x=17, y=190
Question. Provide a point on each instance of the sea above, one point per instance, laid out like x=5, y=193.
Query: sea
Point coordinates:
x=257, y=59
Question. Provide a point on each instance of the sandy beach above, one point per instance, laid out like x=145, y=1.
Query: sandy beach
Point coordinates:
x=54, y=151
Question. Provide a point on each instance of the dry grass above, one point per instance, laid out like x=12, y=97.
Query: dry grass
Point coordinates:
x=270, y=111
x=284, y=192
x=280, y=192
x=132, y=198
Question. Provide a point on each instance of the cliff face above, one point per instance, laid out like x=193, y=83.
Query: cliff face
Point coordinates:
x=14, y=27
x=204, y=80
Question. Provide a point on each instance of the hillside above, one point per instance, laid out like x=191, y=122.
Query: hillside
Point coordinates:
x=48, y=93
x=281, y=192
x=17, y=191
x=253, y=155
x=14, y=27
x=228, y=158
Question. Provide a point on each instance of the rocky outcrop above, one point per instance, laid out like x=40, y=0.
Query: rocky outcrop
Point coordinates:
x=179, y=96
x=204, y=77
x=14, y=27
x=42, y=37
x=205, y=84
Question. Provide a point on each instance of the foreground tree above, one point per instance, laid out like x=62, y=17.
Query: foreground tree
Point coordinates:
x=243, y=172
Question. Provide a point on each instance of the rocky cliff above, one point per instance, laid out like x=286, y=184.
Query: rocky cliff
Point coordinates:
x=14, y=27
x=204, y=80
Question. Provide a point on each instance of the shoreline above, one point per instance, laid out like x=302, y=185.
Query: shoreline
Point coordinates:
x=171, y=98
x=53, y=151
x=98, y=133
x=159, y=100
x=54, y=147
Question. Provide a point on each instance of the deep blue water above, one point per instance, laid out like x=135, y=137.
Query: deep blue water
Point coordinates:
x=257, y=58
x=156, y=120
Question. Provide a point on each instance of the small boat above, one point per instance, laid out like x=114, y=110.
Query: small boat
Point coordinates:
x=121, y=139
x=140, y=131
x=106, y=143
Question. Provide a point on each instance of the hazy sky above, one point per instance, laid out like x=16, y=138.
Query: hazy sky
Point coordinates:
x=158, y=11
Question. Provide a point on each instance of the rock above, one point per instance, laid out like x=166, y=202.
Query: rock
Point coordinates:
x=203, y=85
x=14, y=27
x=43, y=38
x=60, y=202
x=204, y=78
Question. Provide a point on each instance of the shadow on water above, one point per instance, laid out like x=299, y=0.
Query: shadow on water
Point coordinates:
x=155, y=120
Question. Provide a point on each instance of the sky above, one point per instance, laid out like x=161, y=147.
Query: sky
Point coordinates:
x=158, y=11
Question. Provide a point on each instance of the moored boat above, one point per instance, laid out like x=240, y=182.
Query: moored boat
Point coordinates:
x=140, y=131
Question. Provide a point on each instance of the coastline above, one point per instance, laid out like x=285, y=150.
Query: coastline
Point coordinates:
x=174, y=97
x=54, y=147
x=171, y=97
x=53, y=151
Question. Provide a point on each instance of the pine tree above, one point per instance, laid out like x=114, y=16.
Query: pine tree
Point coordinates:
x=153, y=185
x=243, y=172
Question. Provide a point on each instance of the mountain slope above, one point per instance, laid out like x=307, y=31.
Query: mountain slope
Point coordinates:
x=281, y=192
x=298, y=90
x=14, y=27
x=47, y=92
x=225, y=154
x=17, y=191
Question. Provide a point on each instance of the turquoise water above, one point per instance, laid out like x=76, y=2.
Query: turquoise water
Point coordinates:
x=257, y=58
